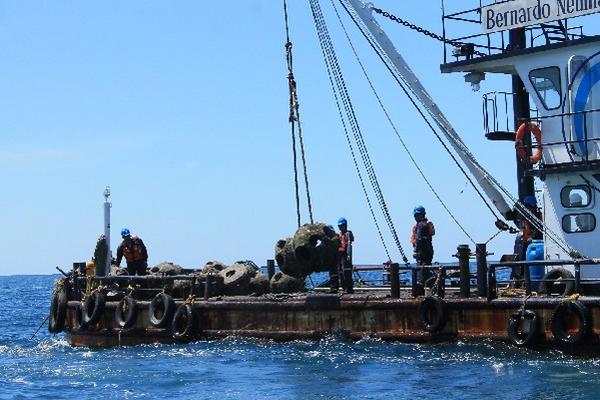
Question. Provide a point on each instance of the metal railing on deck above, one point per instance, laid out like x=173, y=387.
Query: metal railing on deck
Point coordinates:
x=468, y=23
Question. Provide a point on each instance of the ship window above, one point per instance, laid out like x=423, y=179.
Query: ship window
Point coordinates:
x=578, y=223
x=576, y=196
x=546, y=82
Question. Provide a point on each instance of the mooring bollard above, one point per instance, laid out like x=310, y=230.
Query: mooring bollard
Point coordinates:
x=442, y=287
x=481, y=256
x=464, y=252
x=418, y=289
x=270, y=268
x=395, y=280
x=577, y=277
x=527, y=279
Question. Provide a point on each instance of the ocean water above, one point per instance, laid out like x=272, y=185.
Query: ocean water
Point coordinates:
x=48, y=368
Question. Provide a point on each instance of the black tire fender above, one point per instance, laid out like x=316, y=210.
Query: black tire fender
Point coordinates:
x=561, y=313
x=79, y=322
x=552, y=276
x=182, y=326
x=58, y=312
x=437, y=321
x=93, y=308
x=126, y=312
x=162, y=308
x=516, y=336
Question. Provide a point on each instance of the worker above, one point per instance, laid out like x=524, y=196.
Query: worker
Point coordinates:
x=528, y=232
x=342, y=272
x=422, y=241
x=135, y=253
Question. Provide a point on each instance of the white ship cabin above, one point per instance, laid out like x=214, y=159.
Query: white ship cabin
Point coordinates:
x=559, y=66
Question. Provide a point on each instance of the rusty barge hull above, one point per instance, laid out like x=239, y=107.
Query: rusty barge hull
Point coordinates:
x=313, y=316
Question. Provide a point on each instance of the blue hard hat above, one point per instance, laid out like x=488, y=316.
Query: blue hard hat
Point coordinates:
x=342, y=221
x=125, y=232
x=530, y=200
x=419, y=210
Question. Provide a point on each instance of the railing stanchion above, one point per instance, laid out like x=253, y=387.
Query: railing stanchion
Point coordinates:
x=527, y=277
x=442, y=287
x=577, y=277
x=417, y=287
x=481, y=254
x=464, y=252
x=395, y=280
x=270, y=268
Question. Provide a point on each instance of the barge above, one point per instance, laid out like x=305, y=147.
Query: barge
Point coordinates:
x=554, y=71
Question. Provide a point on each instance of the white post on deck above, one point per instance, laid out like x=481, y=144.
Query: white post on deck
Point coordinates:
x=107, y=206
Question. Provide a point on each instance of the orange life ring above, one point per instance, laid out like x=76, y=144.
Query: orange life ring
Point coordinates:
x=537, y=132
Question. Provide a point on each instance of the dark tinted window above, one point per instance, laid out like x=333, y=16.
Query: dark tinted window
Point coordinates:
x=578, y=223
x=546, y=82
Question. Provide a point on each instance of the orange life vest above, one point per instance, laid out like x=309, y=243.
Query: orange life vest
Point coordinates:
x=345, y=238
x=134, y=251
x=413, y=237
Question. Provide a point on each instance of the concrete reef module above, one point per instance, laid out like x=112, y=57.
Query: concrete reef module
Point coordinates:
x=540, y=12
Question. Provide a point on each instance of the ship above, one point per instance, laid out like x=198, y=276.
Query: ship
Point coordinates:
x=551, y=115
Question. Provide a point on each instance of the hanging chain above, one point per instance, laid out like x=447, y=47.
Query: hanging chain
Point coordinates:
x=421, y=30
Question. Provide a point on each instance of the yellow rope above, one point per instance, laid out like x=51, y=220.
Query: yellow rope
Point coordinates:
x=514, y=292
x=58, y=285
x=572, y=298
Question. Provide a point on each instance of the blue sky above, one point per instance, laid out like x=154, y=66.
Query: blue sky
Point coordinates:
x=181, y=107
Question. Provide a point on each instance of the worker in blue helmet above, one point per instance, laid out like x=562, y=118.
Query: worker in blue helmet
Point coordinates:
x=341, y=273
x=135, y=253
x=422, y=241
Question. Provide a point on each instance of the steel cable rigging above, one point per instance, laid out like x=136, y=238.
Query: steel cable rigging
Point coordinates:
x=294, y=120
x=348, y=117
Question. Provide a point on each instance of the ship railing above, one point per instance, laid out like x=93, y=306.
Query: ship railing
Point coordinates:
x=528, y=283
x=486, y=44
x=146, y=285
x=567, y=33
x=567, y=123
x=480, y=44
x=498, y=115
x=497, y=112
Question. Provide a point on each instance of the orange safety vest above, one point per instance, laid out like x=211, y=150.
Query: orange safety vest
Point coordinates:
x=413, y=237
x=529, y=231
x=344, y=241
x=134, y=251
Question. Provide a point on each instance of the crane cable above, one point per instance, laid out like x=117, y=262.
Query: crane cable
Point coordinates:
x=358, y=136
x=393, y=125
x=294, y=119
x=341, y=95
x=325, y=51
